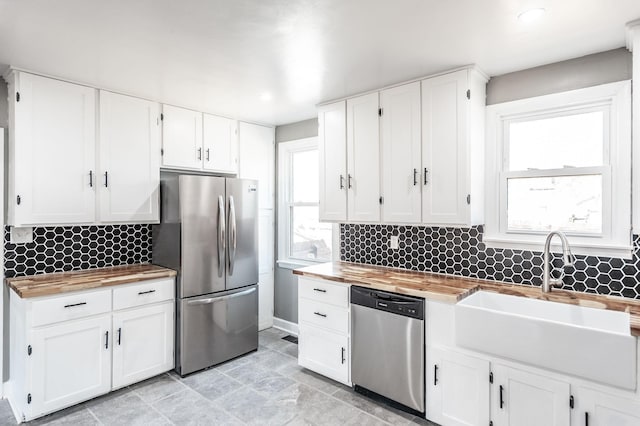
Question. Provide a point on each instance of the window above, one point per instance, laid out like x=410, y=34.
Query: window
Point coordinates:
x=301, y=237
x=561, y=162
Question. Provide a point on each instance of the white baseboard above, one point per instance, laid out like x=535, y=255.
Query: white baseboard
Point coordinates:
x=263, y=325
x=289, y=327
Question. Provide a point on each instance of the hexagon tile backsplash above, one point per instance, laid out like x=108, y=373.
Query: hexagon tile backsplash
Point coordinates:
x=460, y=251
x=67, y=248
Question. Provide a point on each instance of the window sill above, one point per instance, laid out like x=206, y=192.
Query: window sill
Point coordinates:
x=577, y=247
x=296, y=263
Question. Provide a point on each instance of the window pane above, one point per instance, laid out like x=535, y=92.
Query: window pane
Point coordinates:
x=310, y=239
x=305, y=176
x=569, y=203
x=575, y=140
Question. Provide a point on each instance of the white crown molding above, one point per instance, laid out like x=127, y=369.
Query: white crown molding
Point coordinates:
x=632, y=28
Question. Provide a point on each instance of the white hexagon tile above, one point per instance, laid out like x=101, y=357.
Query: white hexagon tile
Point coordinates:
x=460, y=251
x=62, y=248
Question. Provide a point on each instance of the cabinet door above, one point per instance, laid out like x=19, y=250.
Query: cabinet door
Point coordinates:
x=444, y=149
x=71, y=362
x=525, y=399
x=181, y=138
x=400, y=139
x=129, y=160
x=332, y=152
x=458, y=388
x=324, y=352
x=363, y=159
x=220, y=144
x=54, y=152
x=142, y=343
x=595, y=408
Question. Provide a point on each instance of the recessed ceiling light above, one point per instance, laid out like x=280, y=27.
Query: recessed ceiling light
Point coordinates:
x=265, y=97
x=531, y=15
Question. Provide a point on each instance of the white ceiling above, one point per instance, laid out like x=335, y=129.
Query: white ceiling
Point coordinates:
x=220, y=56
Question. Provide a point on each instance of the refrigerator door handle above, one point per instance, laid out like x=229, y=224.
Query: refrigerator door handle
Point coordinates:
x=210, y=300
x=233, y=237
x=222, y=237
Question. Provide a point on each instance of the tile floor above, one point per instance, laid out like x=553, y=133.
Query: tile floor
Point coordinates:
x=266, y=387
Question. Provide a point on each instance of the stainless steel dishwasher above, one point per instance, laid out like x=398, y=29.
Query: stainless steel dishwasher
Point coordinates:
x=387, y=344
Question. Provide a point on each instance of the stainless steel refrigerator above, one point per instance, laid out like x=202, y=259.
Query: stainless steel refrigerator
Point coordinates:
x=209, y=234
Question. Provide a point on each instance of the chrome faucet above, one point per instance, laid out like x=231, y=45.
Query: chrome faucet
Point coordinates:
x=547, y=281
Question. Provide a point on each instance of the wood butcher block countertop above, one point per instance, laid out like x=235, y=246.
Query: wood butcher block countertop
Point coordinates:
x=64, y=282
x=452, y=289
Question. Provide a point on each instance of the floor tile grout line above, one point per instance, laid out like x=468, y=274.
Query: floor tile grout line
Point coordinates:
x=94, y=415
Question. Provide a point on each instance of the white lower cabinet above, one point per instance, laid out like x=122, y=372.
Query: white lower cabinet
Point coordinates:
x=71, y=362
x=458, y=388
x=143, y=343
x=324, y=324
x=324, y=352
x=521, y=398
x=66, y=349
x=595, y=408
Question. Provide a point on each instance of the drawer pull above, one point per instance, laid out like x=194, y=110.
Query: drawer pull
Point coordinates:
x=106, y=340
x=501, y=397
x=320, y=315
x=343, y=357
x=140, y=293
x=119, y=335
x=75, y=304
x=321, y=290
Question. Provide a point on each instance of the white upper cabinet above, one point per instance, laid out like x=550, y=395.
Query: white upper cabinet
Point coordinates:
x=52, y=151
x=220, y=144
x=129, y=159
x=453, y=148
x=363, y=159
x=332, y=150
x=181, y=138
x=400, y=162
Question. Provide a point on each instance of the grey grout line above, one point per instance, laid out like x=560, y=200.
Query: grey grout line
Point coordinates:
x=94, y=415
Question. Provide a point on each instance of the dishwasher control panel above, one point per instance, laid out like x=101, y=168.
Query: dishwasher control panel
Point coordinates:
x=394, y=303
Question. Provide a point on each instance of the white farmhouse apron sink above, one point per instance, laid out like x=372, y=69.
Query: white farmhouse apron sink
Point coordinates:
x=594, y=344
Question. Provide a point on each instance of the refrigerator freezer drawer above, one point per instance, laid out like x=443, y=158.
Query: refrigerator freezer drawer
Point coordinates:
x=216, y=327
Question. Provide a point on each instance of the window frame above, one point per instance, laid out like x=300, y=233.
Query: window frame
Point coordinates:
x=286, y=150
x=615, y=238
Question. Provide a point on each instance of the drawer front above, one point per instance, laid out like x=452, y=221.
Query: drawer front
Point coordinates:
x=324, y=315
x=143, y=293
x=324, y=291
x=72, y=306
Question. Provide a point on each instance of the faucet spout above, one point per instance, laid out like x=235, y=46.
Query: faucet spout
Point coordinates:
x=567, y=257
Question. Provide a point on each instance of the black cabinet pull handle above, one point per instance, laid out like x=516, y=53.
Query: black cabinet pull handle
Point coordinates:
x=320, y=315
x=501, y=396
x=341, y=182
x=321, y=290
x=343, y=357
x=586, y=418
x=207, y=152
x=425, y=176
x=415, y=177
x=90, y=178
x=119, y=335
x=349, y=181
x=106, y=179
x=106, y=340
x=140, y=293
x=199, y=153
x=75, y=304
x=435, y=374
